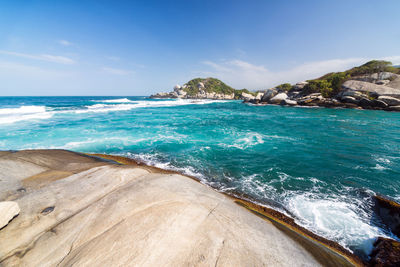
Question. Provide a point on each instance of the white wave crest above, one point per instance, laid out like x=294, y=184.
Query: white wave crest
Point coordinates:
x=11, y=115
x=144, y=104
x=119, y=100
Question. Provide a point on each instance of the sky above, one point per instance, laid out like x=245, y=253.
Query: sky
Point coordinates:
x=142, y=47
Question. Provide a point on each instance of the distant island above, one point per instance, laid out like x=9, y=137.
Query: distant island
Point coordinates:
x=373, y=85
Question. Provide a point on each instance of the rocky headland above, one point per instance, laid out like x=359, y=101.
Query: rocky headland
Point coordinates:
x=66, y=208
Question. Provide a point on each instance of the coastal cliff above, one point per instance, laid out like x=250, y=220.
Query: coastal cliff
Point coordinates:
x=77, y=209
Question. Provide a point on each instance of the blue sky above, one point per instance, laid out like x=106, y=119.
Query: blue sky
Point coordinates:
x=142, y=47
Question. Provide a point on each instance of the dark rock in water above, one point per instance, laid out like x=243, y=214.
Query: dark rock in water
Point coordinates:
x=379, y=103
x=394, y=108
x=365, y=103
x=389, y=212
x=386, y=252
x=350, y=99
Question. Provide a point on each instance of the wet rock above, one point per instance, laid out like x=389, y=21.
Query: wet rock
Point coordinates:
x=365, y=103
x=389, y=212
x=386, y=252
x=379, y=103
x=8, y=210
x=394, y=108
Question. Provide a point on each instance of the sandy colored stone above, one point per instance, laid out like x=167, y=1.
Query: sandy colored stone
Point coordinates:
x=119, y=215
x=8, y=210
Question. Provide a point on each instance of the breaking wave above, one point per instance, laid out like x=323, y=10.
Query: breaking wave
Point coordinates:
x=11, y=115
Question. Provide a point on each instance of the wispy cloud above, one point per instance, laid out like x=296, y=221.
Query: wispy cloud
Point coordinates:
x=41, y=57
x=65, y=43
x=117, y=71
x=242, y=74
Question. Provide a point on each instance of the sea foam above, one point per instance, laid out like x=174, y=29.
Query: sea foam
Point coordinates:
x=11, y=115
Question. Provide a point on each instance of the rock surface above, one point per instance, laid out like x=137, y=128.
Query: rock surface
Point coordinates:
x=95, y=213
x=386, y=253
x=371, y=88
x=8, y=210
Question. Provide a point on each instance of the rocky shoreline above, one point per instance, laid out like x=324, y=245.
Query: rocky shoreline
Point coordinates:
x=100, y=209
x=357, y=94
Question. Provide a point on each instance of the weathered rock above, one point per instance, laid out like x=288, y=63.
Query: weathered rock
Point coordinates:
x=370, y=88
x=391, y=101
x=118, y=215
x=8, y=210
x=386, y=252
x=365, y=103
x=177, y=88
x=355, y=94
x=389, y=212
x=259, y=95
x=299, y=86
x=383, y=82
x=289, y=102
x=379, y=103
x=394, y=108
x=349, y=99
x=247, y=97
x=278, y=98
x=270, y=93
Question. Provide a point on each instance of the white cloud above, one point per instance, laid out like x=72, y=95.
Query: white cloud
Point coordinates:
x=117, y=71
x=241, y=74
x=42, y=57
x=65, y=43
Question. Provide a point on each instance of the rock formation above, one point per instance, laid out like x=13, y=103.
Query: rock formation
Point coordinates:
x=85, y=211
x=8, y=210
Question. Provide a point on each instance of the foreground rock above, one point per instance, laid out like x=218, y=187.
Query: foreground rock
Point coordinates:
x=386, y=253
x=83, y=211
x=389, y=212
x=8, y=210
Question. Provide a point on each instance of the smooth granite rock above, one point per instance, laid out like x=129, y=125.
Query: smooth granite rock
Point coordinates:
x=125, y=215
x=390, y=101
x=8, y=210
x=370, y=88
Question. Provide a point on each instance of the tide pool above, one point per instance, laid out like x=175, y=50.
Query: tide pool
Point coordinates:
x=319, y=166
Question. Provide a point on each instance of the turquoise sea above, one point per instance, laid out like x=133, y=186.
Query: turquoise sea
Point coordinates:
x=319, y=166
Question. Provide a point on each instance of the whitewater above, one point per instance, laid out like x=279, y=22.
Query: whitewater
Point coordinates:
x=319, y=166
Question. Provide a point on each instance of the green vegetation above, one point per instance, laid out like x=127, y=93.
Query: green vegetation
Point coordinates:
x=210, y=85
x=285, y=87
x=330, y=84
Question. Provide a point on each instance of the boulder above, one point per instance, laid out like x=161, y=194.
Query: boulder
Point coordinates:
x=355, y=94
x=394, y=108
x=278, y=98
x=299, y=86
x=391, y=101
x=365, y=103
x=259, y=95
x=370, y=88
x=247, y=96
x=349, y=99
x=200, y=85
x=177, y=88
x=289, y=102
x=8, y=210
x=270, y=93
x=386, y=252
x=389, y=212
x=383, y=82
x=379, y=103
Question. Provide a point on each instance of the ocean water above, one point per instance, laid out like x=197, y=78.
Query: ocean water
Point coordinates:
x=319, y=166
